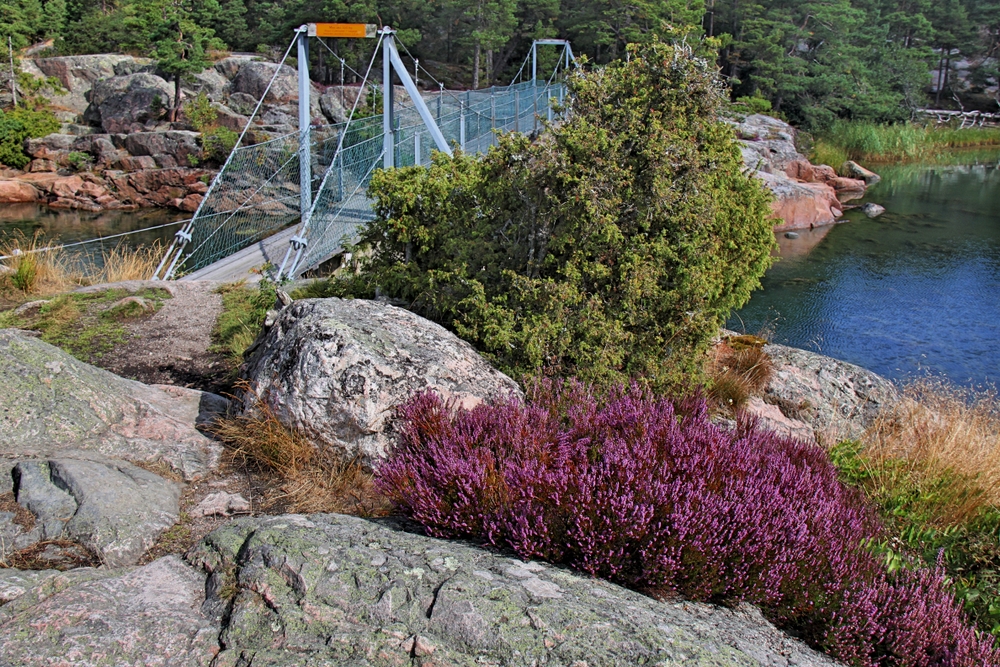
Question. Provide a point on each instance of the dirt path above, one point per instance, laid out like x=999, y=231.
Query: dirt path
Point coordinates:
x=171, y=347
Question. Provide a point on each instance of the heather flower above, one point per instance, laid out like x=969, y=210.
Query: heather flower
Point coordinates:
x=650, y=494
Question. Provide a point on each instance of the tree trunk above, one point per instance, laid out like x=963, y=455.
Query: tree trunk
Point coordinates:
x=937, y=95
x=475, y=66
x=172, y=116
x=489, y=67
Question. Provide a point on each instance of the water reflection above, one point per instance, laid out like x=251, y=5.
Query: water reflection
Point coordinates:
x=915, y=290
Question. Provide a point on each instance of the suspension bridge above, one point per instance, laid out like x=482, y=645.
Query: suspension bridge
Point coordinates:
x=292, y=202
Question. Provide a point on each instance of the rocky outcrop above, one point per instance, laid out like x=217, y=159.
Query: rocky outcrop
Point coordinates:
x=149, y=615
x=77, y=75
x=799, y=205
x=837, y=400
x=805, y=195
x=252, y=79
x=17, y=192
x=328, y=589
x=180, y=188
x=57, y=407
x=334, y=370
x=113, y=508
x=169, y=149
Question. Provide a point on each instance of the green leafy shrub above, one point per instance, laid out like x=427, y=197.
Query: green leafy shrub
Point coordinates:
x=200, y=112
x=217, y=142
x=609, y=247
x=20, y=124
x=80, y=161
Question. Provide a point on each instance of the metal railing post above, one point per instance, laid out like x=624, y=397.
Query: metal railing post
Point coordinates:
x=305, y=159
x=388, y=133
x=416, y=149
x=461, y=125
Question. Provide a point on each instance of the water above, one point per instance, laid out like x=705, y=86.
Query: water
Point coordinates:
x=66, y=226
x=913, y=292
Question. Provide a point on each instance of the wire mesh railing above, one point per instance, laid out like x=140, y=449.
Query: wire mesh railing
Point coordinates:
x=258, y=194
x=468, y=120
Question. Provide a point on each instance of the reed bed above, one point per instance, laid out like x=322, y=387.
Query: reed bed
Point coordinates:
x=871, y=142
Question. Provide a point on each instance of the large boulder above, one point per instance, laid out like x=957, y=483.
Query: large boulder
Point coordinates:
x=113, y=508
x=149, y=615
x=252, y=79
x=54, y=406
x=768, y=143
x=333, y=108
x=338, y=590
x=77, y=74
x=17, y=192
x=334, y=370
x=177, y=145
x=837, y=399
x=124, y=104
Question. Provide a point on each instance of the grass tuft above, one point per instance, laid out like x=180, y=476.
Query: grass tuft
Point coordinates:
x=738, y=369
x=34, y=267
x=940, y=430
x=127, y=263
x=307, y=479
x=244, y=310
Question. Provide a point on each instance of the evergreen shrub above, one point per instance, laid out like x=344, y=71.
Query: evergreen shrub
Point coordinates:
x=648, y=493
x=611, y=246
x=19, y=124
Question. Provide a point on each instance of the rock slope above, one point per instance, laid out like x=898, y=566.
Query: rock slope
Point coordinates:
x=337, y=590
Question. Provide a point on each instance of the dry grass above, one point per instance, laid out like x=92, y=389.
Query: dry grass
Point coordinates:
x=33, y=267
x=126, y=263
x=306, y=479
x=938, y=431
x=738, y=368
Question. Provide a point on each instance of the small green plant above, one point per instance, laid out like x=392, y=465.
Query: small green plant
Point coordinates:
x=244, y=309
x=218, y=143
x=754, y=104
x=200, y=112
x=25, y=272
x=156, y=107
x=79, y=161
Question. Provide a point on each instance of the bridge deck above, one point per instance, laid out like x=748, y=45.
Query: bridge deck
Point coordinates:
x=239, y=266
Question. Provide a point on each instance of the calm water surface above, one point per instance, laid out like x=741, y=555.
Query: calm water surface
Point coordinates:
x=68, y=226
x=912, y=292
